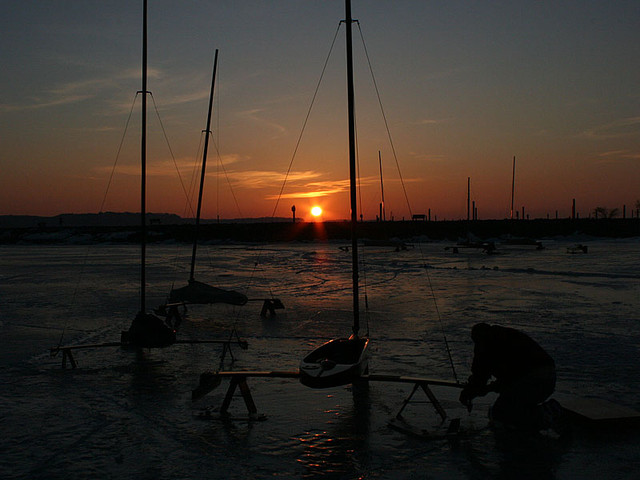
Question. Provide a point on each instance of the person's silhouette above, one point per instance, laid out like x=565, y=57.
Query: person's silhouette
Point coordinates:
x=525, y=376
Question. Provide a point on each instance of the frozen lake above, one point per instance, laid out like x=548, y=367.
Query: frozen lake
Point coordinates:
x=119, y=415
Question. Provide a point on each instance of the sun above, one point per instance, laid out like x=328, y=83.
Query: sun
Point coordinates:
x=316, y=211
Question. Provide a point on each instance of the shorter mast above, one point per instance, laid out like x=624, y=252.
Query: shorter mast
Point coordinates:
x=513, y=185
x=204, y=166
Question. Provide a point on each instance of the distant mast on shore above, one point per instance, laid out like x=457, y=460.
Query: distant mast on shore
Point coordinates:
x=513, y=185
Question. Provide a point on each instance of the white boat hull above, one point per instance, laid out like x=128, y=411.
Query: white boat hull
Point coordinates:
x=337, y=362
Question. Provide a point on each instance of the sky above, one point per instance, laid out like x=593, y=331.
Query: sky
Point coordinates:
x=445, y=92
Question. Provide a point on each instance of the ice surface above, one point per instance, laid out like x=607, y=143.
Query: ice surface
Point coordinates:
x=123, y=416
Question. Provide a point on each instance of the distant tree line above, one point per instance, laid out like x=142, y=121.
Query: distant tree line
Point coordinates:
x=604, y=212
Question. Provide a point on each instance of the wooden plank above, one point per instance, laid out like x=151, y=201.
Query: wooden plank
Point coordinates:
x=260, y=373
x=242, y=343
x=597, y=410
x=370, y=377
x=55, y=350
x=405, y=379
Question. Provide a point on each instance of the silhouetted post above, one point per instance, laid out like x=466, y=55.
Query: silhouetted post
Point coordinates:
x=473, y=210
x=556, y=214
x=573, y=210
x=429, y=214
x=624, y=211
x=293, y=210
x=523, y=213
x=468, y=196
x=513, y=185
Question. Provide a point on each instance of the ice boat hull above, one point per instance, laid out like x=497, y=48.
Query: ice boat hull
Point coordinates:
x=337, y=362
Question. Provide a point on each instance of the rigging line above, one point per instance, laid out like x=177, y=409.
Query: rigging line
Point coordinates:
x=115, y=163
x=363, y=262
x=304, y=125
x=216, y=143
x=164, y=132
x=102, y=204
x=295, y=150
x=194, y=174
x=187, y=206
x=192, y=184
x=404, y=190
x=386, y=124
x=226, y=176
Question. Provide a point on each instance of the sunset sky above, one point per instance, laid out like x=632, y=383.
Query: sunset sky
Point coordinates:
x=465, y=86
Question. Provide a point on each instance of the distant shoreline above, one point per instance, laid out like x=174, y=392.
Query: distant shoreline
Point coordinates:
x=280, y=231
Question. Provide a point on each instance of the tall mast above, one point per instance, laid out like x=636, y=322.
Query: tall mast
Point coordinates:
x=382, y=209
x=143, y=161
x=513, y=184
x=204, y=166
x=352, y=170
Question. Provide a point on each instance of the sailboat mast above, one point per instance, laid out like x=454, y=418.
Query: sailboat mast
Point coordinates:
x=204, y=166
x=383, y=214
x=513, y=185
x=143, y=162
x=352, y=170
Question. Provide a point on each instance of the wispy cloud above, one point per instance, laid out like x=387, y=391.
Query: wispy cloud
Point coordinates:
x=254, y=115
x=269, y=179
x=322, y=188
x=76, y=91
x=614, y=155
x=621, y=128
x=36, y=104
x=432, y=121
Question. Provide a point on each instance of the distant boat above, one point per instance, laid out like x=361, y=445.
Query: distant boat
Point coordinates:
x=343, y=360
x=487, y=247
x=578, y=249
x=522, y=242
x=197, y=292
x=146, y=330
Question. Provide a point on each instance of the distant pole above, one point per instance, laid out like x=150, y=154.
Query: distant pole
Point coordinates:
x=513, y=185
x=624, y=211
x=293, y=210
x=382, y=209
x=429, y=214
x=523, y=213
x=473, y=210
x=573, y=210
x=468, y=196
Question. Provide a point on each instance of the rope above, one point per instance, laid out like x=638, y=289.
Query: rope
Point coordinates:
x=164, y=132
x=304, y=125
x=406, y=196
x=102, y=204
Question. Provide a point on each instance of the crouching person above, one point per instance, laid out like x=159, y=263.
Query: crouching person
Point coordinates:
x=525, y=376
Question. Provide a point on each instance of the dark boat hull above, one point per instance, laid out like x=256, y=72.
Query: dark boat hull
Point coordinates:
x=149, y=331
